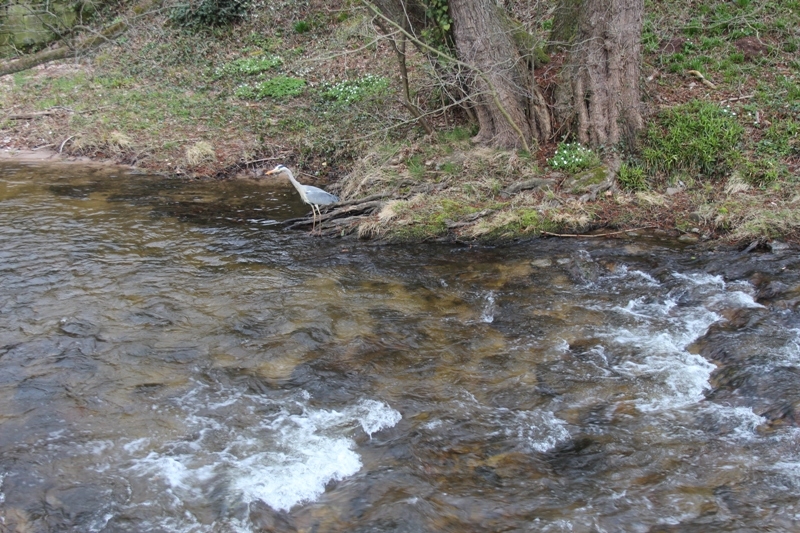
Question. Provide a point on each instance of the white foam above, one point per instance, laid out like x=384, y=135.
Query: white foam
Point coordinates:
x=488, y=309
x=540, y=431
x=375, y=416
x=623, y=272
x=284, y=459
x=136, y=445
x=789, y=353
x=642, y=308
x=735, y=299
x=701, y=278
x=740, y=423
x=787, y=467
x=669, y=376
x=285, y=480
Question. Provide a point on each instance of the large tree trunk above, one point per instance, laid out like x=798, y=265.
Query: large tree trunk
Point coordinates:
x=510, y=108
x=600, y=95
x=598, y=98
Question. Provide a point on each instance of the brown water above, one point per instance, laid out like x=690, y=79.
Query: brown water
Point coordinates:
x=172, y=360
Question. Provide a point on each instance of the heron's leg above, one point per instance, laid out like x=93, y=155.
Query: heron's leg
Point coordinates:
x=319, y=213
x=313, y=218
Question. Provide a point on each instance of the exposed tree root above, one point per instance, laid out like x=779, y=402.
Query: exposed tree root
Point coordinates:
x=347, y=213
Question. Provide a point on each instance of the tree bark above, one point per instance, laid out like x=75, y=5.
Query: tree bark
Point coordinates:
x=600, y=95
x=598, y=98
x=509, y=106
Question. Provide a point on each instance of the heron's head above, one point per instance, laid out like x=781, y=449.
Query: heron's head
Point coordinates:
x=277, y=170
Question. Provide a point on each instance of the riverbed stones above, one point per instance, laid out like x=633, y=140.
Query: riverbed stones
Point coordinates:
x=545, y=262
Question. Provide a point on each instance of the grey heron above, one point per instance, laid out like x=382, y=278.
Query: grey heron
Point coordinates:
x=314, y=196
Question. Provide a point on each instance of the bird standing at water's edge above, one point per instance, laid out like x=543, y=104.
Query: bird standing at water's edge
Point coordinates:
x=314, y=196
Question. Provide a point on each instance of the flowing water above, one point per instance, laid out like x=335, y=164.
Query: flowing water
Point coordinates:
x=172, y=360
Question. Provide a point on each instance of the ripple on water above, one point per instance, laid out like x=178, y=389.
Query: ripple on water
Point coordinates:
x=170, y=364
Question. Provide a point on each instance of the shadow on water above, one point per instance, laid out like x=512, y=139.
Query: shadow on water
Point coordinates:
x=166, y=364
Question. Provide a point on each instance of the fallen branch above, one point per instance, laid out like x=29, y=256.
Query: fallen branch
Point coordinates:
x=362, y=208
x=107, y=34
x=62, y=52
x=737, y=98
x=595, y=236
x=31, y=116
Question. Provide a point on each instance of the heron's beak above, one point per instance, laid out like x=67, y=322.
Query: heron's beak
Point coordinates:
x=271, y=172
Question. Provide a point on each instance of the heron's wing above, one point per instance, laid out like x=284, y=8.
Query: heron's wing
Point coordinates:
x=317, y=196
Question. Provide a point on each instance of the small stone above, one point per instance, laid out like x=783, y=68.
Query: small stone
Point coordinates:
x=671, y=46
x=751, y=48
x=672, y=191
x=688, y=238
x=777, y=246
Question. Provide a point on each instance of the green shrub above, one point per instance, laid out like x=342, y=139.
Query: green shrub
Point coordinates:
x=763, y=172
x=277, y=87
x=572, y=158
x=302, y=26
x=249, y=66
x=208, y=13
x=350, y=91
x=694, y=137
x=632, y=177
x=782, y=138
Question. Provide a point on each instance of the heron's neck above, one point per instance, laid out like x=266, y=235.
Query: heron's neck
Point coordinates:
x=294, y=181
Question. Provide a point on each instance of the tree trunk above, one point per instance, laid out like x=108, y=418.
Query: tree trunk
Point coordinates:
x=509, y=106
x=600, y=95
x=598, y=98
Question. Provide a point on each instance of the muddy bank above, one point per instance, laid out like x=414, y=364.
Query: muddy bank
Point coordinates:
x=46, y=156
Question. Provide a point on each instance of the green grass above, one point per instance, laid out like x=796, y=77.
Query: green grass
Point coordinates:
x=694, y=137
x=279, y=87
x=632, y=177
x=455, y=134
x=416, y=167
x=250, y=66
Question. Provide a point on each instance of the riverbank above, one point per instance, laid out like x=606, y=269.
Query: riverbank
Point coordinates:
x=313, y=86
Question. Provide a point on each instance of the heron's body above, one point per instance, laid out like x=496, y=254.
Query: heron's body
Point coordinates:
x=314, y=196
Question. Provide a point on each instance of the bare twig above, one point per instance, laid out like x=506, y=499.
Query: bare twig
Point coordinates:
x=737, y=98
x=61, y=148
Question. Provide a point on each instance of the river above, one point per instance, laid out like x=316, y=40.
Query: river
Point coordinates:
x=172, y=360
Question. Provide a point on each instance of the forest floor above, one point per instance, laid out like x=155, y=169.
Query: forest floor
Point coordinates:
x=313, y=85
